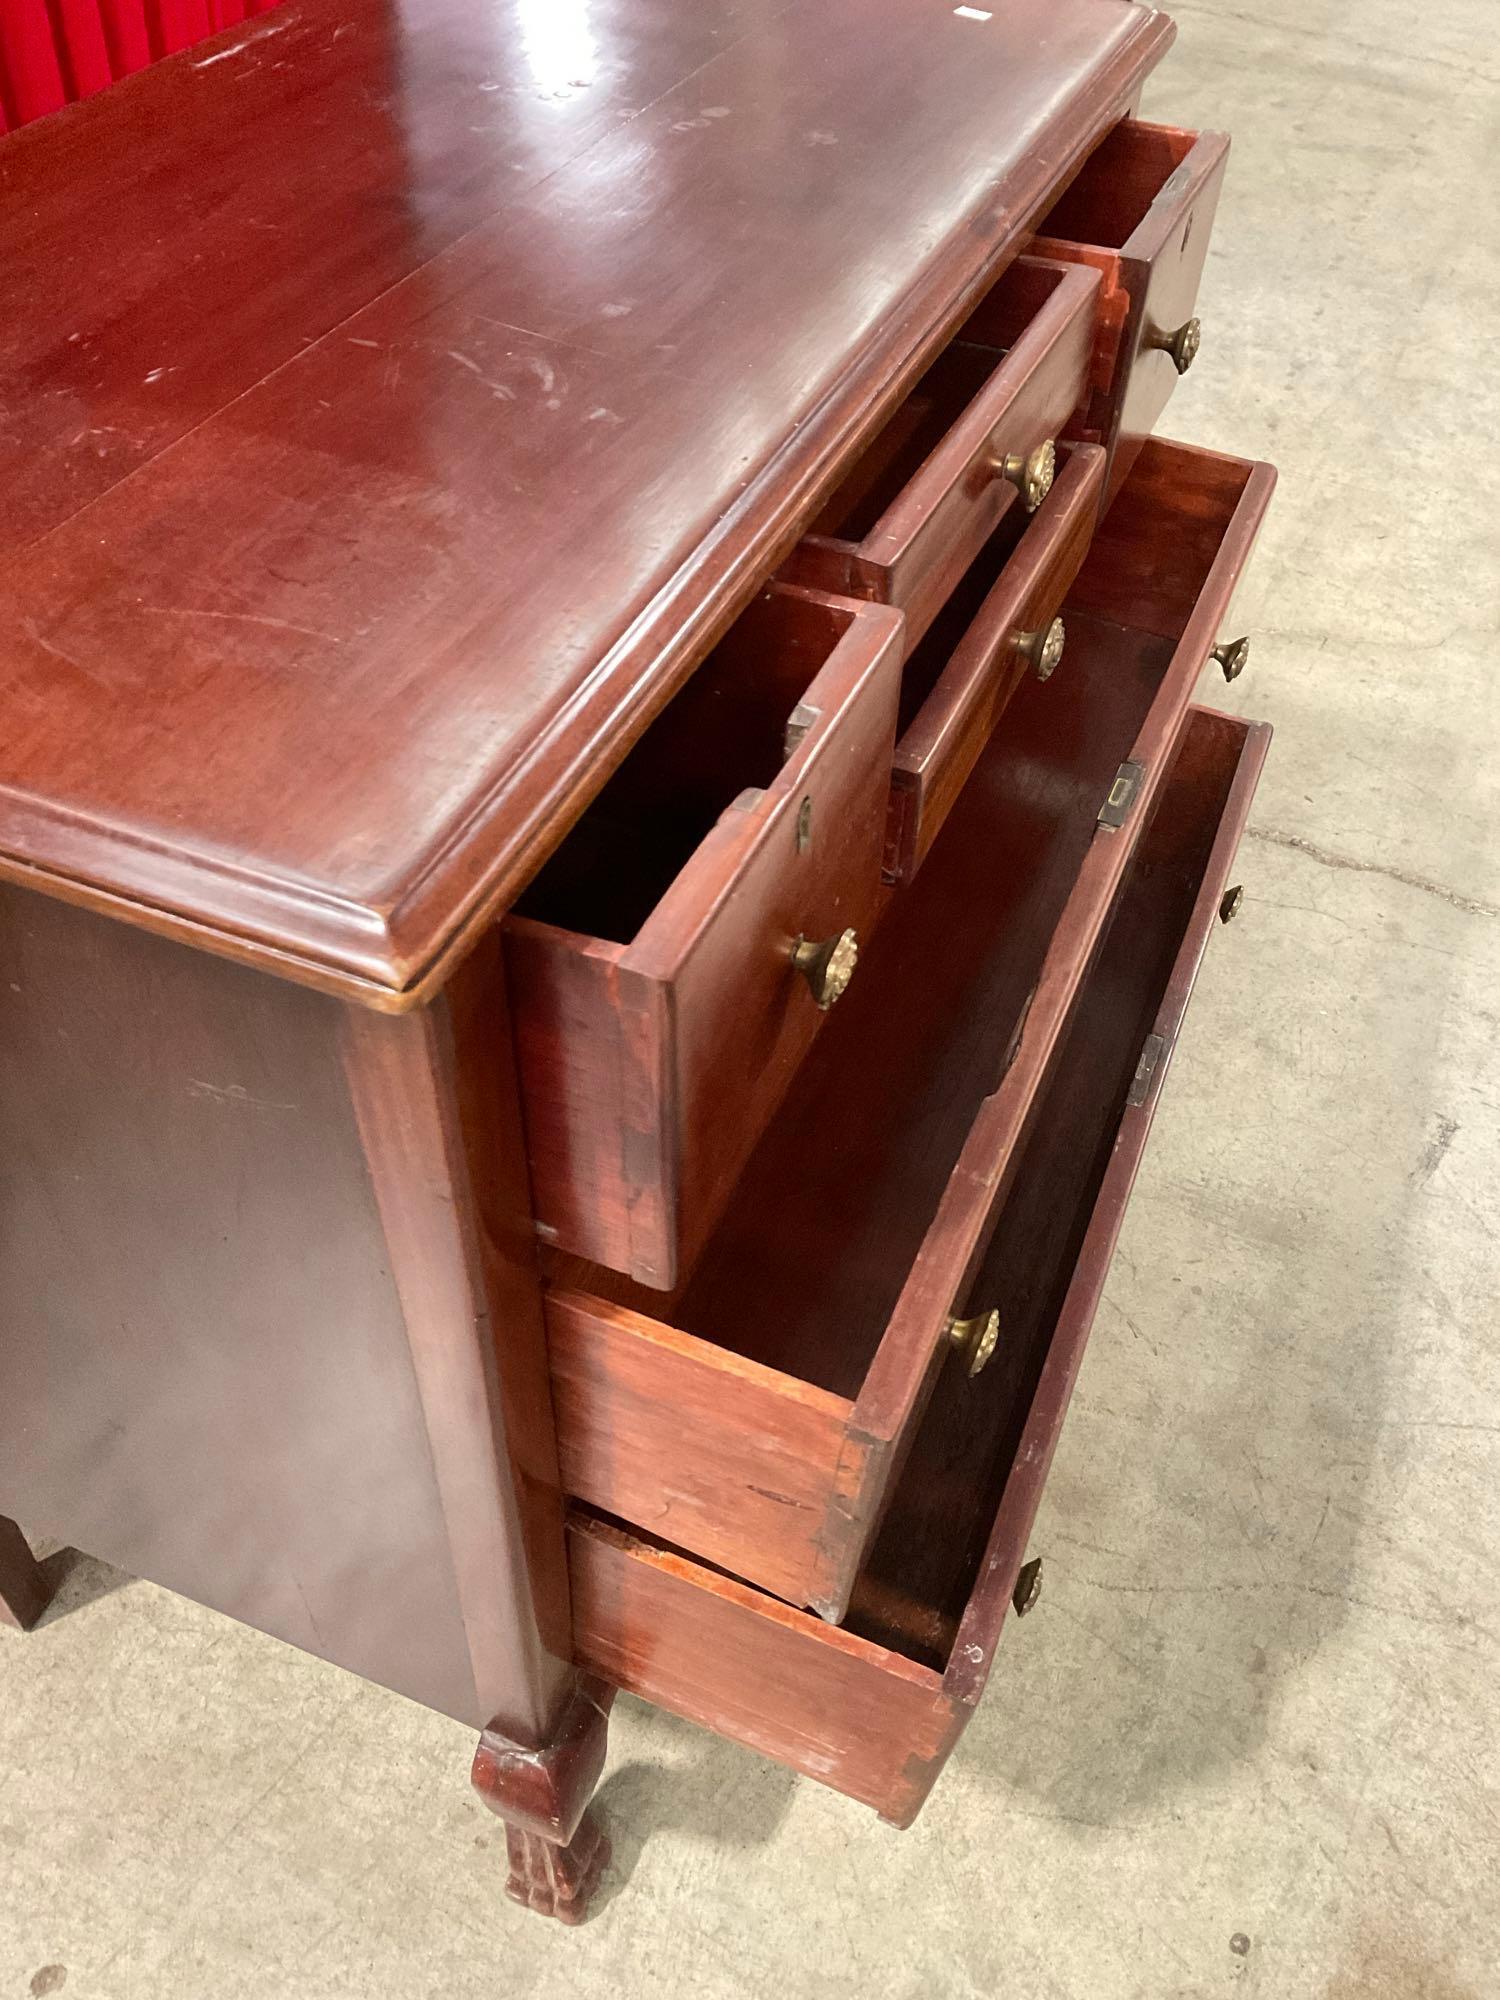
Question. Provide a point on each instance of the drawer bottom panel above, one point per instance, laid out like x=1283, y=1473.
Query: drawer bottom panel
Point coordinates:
x=873, y=1707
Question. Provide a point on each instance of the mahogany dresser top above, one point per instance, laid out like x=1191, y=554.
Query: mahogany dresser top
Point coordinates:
x=398, y=396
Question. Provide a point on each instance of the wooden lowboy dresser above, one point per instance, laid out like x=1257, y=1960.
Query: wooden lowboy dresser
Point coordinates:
x=605, y=834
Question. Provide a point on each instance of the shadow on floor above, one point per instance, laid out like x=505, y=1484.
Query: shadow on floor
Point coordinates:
x=1204, y=1519
x=703, y=1787
x=74, y=1580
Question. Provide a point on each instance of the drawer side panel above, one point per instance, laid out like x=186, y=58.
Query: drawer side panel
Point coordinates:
x=834, y=1707
x=702, y=1448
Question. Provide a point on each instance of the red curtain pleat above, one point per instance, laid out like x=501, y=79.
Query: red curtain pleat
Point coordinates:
x=53, y=51
x=181, y=23
x=79, y=32
x=127, y=34
x=31, y=80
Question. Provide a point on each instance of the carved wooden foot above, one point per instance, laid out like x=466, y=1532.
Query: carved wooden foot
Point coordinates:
x=557, y=1881
x=542, y=1791
x=23, y=1594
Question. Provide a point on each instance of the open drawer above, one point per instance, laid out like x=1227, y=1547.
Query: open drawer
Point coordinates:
x=971, y=442
x=671, y=964
x=757, y=1414
x=1140, y=213
x=999, y=625
x=874, y=1707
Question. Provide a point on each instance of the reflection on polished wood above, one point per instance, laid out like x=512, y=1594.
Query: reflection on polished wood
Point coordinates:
x=536, y=537
x=410, y=326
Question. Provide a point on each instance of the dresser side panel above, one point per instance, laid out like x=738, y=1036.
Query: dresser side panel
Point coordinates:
x=205, y=1374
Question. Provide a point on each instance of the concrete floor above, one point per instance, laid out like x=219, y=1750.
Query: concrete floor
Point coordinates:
x=1248, y=1742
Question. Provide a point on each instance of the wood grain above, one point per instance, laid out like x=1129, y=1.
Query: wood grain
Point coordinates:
x=875, y=1708
x=926, y=494
x=1141, y=212
x=943, y=1567
x=652, y=1056
x=227, y=1367
x=434, y=1097
x=541, y=1788
x=705, y=1449
x=357, y=560
x=955, y=690
x=831, y=1705
x=861, y=1220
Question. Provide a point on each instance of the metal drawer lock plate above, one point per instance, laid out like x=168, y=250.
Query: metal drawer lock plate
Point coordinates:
x=1122, y=794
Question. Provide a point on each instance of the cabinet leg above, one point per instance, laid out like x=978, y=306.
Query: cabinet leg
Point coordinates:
x=542, y=1791
x=557, y=1881
x=23, y=1594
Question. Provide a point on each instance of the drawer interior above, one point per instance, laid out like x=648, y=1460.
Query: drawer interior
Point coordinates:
x=1150, y=578
x=921, y=1571
x=724, y=734
x=1118, y=184
x=920, y=422
x=804, y=1270
x=873, y=1706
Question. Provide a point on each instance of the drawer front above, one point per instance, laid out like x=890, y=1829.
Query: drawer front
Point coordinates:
x=758, y=1415
x=1015, y=632
x=874, y=1707
x=1015, y=374
x=650, y=1061
x=1140, y=213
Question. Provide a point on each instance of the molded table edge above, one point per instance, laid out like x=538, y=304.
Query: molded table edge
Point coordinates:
x=395, y=959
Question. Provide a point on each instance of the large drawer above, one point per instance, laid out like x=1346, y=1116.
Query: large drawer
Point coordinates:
x=757, y=1414
x=672, y=963
x=972, y=443
x=874, y=1707
x=1140, y=213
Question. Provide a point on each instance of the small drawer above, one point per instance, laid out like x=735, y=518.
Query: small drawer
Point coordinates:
x=672, y=963
x=970, y=442
x=999, y=625
x=1140, y=212
x=874, y=1707
x=757, y=1414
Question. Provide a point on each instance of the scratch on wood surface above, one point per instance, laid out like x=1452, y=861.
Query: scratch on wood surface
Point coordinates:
x=234, y=1093
x=78, y=666
x=498, y=389
x=241, y=618
x=245, y=42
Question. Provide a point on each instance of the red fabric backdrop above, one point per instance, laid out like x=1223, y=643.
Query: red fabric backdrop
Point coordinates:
x=52, y=51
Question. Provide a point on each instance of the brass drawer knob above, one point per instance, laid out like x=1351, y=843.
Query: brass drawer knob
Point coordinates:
x=1030, y=472
x=1182, y=345
x=1028, y=1587
x=1043, y=649
x=1233, y=655
x=974, y=1338
x=827, y=966
x=1229, y=906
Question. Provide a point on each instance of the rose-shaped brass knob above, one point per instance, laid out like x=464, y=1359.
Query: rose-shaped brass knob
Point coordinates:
x=1030, y=472
x=1229, y=907
x=1043, y=649
x=1233, y=655
x=1182, y=345
x=827, y=966
x=974, y=1338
